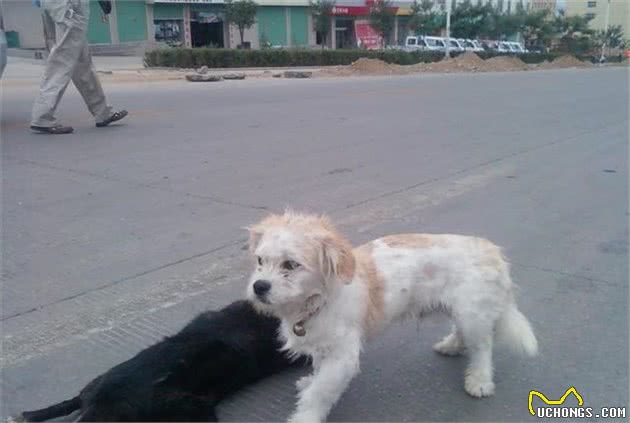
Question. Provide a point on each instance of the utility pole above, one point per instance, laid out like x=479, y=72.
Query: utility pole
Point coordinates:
x=448, y=29
x=603, y=57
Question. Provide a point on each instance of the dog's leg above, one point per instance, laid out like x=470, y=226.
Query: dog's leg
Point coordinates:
x=451, y=345
x=328, y=382
x=478, y=336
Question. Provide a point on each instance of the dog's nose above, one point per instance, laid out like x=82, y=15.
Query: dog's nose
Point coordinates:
x=261, y=287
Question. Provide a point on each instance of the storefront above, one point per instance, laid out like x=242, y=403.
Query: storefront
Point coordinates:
x=201, y=23
x=191, y=23
x=352, y=29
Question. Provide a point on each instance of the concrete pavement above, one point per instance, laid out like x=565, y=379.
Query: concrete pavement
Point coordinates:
x=115, y=237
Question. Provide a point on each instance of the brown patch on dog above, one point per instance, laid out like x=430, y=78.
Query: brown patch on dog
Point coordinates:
x=412, y=241
x=370, y=275
x=492, y=256
x=338, y=253
x=328, y=246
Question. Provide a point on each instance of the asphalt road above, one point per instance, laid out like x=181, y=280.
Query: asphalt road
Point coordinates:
x=114, y=237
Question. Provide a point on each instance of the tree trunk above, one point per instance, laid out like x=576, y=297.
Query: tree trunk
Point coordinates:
x=241, y=31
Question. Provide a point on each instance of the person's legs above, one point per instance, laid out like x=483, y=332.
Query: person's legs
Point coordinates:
x=88, y=84
x=71, y=28
x=85, y=77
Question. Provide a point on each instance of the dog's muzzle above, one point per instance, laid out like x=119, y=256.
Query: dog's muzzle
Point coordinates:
x=261, y=289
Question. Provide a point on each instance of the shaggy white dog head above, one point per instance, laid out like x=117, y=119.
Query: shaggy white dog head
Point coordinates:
x=299, y=260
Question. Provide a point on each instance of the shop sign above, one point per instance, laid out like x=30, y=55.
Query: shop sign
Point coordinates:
x=350, y=10
x=366, y=36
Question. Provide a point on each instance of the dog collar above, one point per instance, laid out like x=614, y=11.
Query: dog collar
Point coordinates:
x=298, y=327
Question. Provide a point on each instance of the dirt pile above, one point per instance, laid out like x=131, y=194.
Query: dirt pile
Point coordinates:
x=366, y=66
x=566, y=61
x=375, y=67
x=467, y=62
x=504, y=64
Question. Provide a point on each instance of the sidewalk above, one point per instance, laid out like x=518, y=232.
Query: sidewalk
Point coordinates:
x=21, y=71
x=24, y=69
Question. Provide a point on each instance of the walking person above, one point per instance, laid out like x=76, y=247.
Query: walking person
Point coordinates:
x=65, y=31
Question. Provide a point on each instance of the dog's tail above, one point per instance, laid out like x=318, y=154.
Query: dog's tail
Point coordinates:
x=514, y=329
x=61, y=409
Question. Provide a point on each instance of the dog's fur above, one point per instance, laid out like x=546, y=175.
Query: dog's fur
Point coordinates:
x=183, y=377
x=338, y=296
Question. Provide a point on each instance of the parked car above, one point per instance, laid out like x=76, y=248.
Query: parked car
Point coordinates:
x=415, y=43
x=454, y=45
x=470, y=45
x=516, y=47
x=435, y=43
x=504, y=47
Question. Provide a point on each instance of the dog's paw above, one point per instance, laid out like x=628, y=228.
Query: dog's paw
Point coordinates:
x=304, y=417
x=450, y=346
x=16, y=419
x=478, y=387
x=303, y=382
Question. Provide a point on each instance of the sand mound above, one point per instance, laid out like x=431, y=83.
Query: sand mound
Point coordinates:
x=470, y=59
x=568, y=61
x=467, y=62
x=366, y=66
x=375, y=67
x=504, y=63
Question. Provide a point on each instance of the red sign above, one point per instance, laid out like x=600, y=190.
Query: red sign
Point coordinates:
x=366, y=36
x=357, y=10
x=350, y=10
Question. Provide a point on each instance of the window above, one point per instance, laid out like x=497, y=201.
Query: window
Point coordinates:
x=591, y=4
x=590, y=15
x=411, y=41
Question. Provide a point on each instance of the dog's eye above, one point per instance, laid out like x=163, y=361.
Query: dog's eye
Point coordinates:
x=259, y=260
x=290, y=265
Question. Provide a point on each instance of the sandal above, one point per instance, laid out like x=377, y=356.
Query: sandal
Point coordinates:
x=116, y=116
x=53, y=130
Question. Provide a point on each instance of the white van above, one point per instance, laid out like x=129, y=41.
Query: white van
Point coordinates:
x=470, y=45
x=415, y=43
x=454, y=45
x=516, y=47
x=435, y=43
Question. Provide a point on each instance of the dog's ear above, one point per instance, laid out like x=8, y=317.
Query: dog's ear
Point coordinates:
x=337, y=259
x=255, y=234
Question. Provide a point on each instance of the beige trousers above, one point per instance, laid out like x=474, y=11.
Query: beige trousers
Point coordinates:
x=65, y=30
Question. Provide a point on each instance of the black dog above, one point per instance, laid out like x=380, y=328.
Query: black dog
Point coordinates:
x=183, y=377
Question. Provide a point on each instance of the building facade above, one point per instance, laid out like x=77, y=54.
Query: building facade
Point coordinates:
x=191, y=23
x=619, y=13
x=135, y=25
x=537, y=5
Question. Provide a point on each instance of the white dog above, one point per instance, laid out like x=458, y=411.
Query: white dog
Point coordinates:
x=331, y=297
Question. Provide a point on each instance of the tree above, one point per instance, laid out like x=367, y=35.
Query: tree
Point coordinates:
x=382, y=18
x=613, y=38
x=241, y=13
x=467, y=20
x=423, y=19
x=574, y=32
x=537, y=29
x=322, y=22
